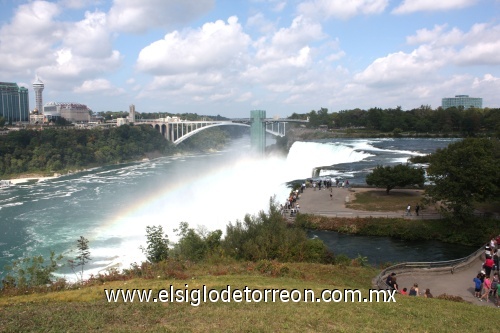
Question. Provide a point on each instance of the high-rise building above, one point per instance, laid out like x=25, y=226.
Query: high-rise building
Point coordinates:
x=73, y=112
x=131, y=114
x=14, y=102
x=38, y=87
x=462, y=100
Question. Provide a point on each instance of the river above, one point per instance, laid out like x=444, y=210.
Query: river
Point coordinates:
x=111, y=206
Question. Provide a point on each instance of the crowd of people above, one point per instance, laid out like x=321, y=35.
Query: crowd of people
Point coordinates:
x=291, y=205
x=486, y=286
x=392, y=282
x=486, y=282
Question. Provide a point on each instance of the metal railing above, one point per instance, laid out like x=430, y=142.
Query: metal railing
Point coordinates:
x=429, y=267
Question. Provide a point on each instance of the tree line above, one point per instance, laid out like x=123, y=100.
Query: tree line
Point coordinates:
x=58, y=150
x=421, y=120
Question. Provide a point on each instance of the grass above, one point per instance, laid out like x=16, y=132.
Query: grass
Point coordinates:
x=380, y=201
x=86, y=309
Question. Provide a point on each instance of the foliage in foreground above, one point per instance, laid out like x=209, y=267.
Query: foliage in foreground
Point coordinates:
x=83, y=256
x=157, y=248
x=85, y=309
x=30, y=272
x=268, y=236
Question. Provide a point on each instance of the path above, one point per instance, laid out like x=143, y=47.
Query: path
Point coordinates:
x=457, y=284
x=319, y=202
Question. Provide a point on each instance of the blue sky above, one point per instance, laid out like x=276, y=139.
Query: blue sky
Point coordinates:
x=229, y=57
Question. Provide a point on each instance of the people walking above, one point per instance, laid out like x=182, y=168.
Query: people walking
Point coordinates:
x=417, y=209
x=408, y=210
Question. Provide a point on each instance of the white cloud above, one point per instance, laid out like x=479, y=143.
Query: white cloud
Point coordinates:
x=101, y=86
x=411, y=6
x=90, y=36
x=63, y=52
x=75, y=68
x=261, y=23
x=301, y=32
x=401, y=68
x=26, y=42
x=215, y=45
x=479, y=46
x=279, y=6
x=341, y=8
x=138, y=16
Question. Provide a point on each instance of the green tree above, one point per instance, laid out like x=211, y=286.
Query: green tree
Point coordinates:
x=83, y=256
x=465, y=172
x=157, y=244
x=195, y=245
x=399, y=175
x=2, y=121
x=31, y=272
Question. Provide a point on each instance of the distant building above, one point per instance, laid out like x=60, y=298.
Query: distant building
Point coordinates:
x=122, y=121
x=73, y=112
x=131, y=114
x=36, y=118
x=14, y=103
x=462, y=100
x=38, y=88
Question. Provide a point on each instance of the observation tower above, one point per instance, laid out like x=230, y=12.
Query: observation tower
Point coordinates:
x=38, y=87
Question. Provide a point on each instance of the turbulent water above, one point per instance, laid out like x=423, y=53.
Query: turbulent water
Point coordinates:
x=111, y=206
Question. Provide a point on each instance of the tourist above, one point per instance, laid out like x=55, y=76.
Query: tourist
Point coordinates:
x=477, y=286
x=404, y=291
x=488, y=265
x=486, y=288
x=427, y=293
x=388, y=280
x=394, y=285
x=497, y=299
x=488, y=251
x=414, y=290
x=408, y=210
x=493, y=243
x=417, y=209
x=495, y=259
x=494, y=285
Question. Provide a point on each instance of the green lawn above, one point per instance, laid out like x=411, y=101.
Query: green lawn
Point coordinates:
x=87, y=310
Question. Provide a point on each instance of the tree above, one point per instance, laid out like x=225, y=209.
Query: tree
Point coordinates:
x=399, y=175
x=83, y=256
x=465, y=172
x=157, y=244
x=195, y=245
x=31, y=272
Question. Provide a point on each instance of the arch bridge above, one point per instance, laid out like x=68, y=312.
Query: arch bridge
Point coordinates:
x=175, y=130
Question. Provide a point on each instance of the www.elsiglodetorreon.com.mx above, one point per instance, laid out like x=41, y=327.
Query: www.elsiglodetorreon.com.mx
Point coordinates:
x=196, y=296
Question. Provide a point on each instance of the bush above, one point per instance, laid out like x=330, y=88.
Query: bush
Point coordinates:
x=268, y=237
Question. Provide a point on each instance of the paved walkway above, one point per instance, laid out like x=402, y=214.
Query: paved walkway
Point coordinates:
x=457, y=284
x=319, y=202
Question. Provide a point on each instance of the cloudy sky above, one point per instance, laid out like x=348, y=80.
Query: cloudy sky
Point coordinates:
x=228, y=57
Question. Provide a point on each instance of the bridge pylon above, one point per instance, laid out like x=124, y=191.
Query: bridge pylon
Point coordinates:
x=258, y=131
